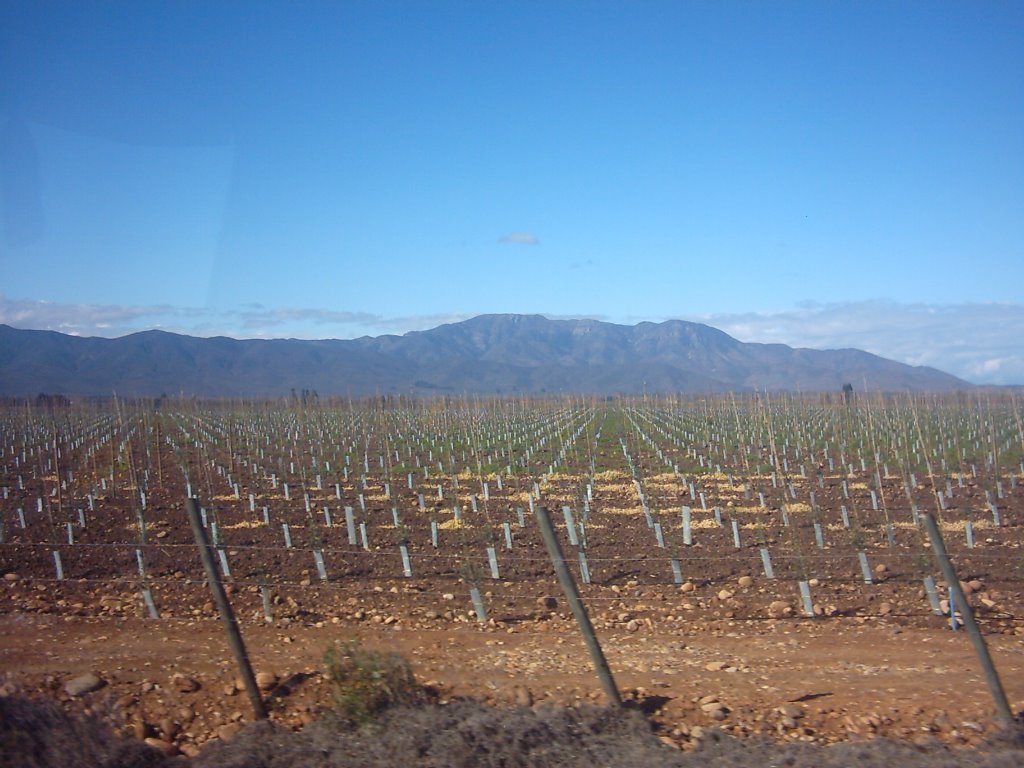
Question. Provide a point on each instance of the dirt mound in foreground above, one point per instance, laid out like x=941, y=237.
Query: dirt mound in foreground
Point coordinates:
x=37, y=734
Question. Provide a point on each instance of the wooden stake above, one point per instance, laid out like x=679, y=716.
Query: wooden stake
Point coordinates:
x=572, y=595
x=227, y=616
x=991, y=676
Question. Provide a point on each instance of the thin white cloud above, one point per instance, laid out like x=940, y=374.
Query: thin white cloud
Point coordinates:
x=520, y=238
x=259, y=316
x=247, y=321
x=981, y=343
x=400, y=325
x=598, y=317
x=85, y=319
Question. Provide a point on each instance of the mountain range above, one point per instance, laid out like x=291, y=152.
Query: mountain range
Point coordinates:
x=486, y=354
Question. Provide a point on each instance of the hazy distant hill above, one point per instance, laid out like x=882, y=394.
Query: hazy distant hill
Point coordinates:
x=487, y=354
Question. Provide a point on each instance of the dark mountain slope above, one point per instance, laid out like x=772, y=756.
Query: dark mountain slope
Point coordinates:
x=489, y=353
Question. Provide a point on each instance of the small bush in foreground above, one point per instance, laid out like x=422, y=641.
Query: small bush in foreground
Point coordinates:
x=366, y=682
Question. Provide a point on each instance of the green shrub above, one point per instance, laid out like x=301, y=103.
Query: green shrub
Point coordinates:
x=366, y=682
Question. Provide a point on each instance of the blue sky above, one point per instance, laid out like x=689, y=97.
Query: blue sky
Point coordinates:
x=821, y=174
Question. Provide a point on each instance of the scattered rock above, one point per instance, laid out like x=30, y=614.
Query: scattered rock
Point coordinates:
x=229, y=731
x=687, y=587
x=164, y=746
x=792, y=711
x=184, y=684
x=522, y=696
x=168, y=728
x=746, y=581
x=716, y=710
x=83, y=684
x=724, y=594
x=141, y=730
x=10, y=576
x=716, y=666
x=265, y=680
x=547, y=602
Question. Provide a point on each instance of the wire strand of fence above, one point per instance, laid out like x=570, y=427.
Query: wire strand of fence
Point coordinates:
x=751, y=553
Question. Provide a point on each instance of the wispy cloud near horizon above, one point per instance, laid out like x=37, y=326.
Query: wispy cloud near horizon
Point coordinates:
x=258, y=316
x=978, y=342
x=87, y=319
x=248, y=321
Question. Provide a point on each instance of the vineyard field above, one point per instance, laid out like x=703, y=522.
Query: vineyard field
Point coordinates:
x=762, y=550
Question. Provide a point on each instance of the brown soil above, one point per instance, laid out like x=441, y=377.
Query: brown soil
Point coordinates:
x=874, y=660
x=849, y=678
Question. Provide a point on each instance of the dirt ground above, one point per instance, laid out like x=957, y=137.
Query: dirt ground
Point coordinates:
x=798, y=679
x=696, y=633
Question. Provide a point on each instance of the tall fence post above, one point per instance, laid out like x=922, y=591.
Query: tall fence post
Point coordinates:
x=960, y=600
x=572, y=595
x=227, y=616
